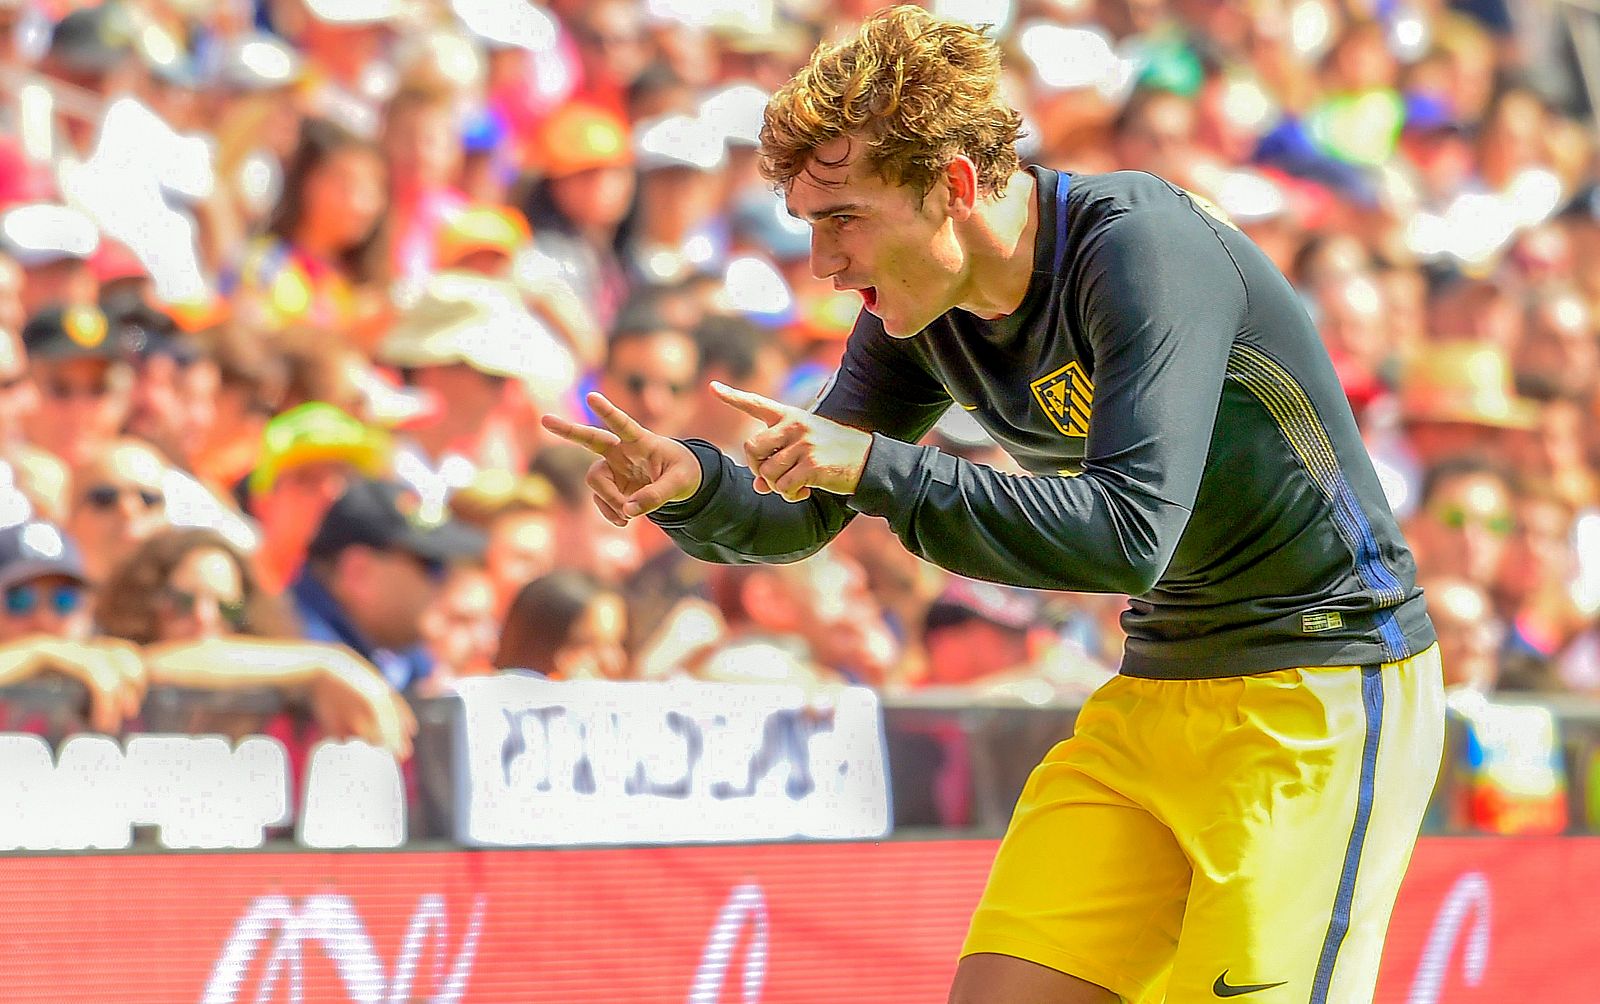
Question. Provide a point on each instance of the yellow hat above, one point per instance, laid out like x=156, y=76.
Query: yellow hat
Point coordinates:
x=317, y=432
x=482, y=228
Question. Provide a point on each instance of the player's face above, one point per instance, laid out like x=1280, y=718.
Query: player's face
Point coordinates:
x=898, y=249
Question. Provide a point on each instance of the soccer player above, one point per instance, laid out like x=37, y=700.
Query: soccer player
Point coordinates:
x=1235, y=811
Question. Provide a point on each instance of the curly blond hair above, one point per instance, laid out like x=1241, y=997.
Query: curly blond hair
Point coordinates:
x=915, y=89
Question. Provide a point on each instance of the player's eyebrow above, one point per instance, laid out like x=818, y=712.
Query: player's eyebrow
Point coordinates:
x=827, y=211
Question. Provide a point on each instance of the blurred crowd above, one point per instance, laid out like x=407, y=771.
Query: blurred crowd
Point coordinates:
x=285, y=286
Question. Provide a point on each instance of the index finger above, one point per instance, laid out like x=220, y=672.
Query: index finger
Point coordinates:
x=761, y=408
x=626, y=428
x=596, y=441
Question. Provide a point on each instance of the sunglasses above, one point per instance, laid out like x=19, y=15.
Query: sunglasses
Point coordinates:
x=104, y=497
x=184, y=604
x=25, y=599
x=1457, y=518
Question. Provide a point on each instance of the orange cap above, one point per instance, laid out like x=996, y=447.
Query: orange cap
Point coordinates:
x=581, y=137
x=482, y=228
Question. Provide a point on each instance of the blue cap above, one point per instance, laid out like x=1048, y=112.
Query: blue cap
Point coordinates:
x=34, y=549
x=763, y=217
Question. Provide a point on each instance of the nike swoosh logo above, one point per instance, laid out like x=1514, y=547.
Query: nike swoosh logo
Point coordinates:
x=1223, y=989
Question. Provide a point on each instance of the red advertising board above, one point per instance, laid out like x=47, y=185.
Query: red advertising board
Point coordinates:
x=1479, y=920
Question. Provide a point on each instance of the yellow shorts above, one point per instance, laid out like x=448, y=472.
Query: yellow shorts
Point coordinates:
x=1206, y=839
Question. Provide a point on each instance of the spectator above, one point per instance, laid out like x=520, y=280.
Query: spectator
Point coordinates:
x=1537, y=597
x=13, y=313
x=811, y=621
x=461, y=629
x=1469, y=633
x=323, y=238
x=377, y=562
x=739, y=353
x=976, y=632
x=1464, y=521
x=612, y=48
x=585, y=540
x=119, y=499
x=172, y=402
x=54, y=246
x=1558, y=353
x=567, y=626
x=309, y=456
x=651, y=371
x=252, y=380
x=1458, y=399
x=517, y=514
x=46, y=624
x=39, y=475
x=84, y=381
x=577, y=208
x=343, y=41
x=677, y=230
x=259, y=117
x=91, y=49
x=460, y=346
x=422, y=145
x=1156, y=132
x=191, y=601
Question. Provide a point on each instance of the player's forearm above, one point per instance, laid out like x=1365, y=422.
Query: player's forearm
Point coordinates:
x=726, y=521
x=1083, y=534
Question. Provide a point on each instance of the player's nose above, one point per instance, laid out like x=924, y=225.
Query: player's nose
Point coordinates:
x=825, y=262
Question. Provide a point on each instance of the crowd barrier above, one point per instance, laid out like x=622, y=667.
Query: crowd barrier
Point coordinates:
x=204, y=769
x=1478, y=920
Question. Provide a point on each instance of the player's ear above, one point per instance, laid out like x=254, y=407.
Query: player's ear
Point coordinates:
x=961, y=187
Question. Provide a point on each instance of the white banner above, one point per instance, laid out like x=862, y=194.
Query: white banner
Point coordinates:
x=542, y=763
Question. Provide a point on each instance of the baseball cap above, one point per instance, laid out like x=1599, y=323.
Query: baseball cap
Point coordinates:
x=317, y=432
x=482, y=228
x=1467, y=383
x=139, y=329
x=970, y=599
x=34, y=549
x=41, y=233
x=258, y=62
x=738, y=110
x=73, y=332
x=753, y=288
x=94, y=39
x=114, y=261
x=470, y=319
x=762, y=217
x=501, y=25
x=1069, y=59
x=388, y=516
x=680, y=141
x=579, y=137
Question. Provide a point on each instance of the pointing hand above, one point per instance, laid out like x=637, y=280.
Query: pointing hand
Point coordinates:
x=638, y=471
x=798, y=451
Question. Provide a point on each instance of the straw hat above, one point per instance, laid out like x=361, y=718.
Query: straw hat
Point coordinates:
x=1468, y=383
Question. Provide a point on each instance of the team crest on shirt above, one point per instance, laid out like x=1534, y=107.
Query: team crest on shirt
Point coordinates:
x=1211, y=209
x=1067, y=397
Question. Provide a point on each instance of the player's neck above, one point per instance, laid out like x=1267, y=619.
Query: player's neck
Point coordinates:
x=999, y=239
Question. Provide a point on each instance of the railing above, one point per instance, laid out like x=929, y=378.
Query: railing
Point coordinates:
x=956, y=762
